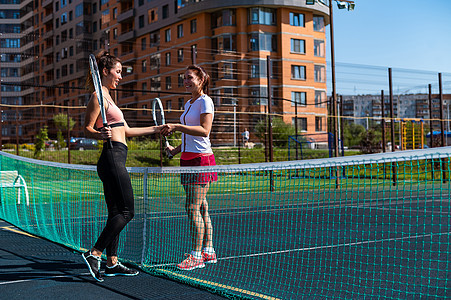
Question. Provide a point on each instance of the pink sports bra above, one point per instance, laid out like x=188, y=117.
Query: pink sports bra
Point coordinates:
x=114, y=116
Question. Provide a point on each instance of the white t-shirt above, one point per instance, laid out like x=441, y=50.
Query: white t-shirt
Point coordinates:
x=191, y=117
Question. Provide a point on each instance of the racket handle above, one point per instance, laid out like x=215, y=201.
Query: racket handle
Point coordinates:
x=168, y=153
x=109, y=144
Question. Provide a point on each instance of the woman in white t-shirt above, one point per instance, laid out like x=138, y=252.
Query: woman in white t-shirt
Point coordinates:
x=195, y=126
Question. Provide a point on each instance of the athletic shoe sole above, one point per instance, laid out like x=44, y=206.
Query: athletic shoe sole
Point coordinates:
x=213, y=261
x=119, y=274
x=90, y=270
x=192, y=268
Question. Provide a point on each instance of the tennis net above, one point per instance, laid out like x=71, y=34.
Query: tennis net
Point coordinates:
x=363, y=226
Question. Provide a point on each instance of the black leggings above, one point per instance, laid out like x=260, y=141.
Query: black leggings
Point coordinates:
x=118, y=196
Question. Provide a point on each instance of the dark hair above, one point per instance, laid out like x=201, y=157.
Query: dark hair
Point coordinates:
x=104, y=60
x=202, y=74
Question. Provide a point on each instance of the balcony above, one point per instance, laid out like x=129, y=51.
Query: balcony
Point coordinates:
x=48, y=34
x=46, y=3
x=47, y=51
x=126, y=36
x=129, y=14
x=48, y=18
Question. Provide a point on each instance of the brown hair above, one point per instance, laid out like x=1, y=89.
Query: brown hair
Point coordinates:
x=104, y=60
x=202, y=74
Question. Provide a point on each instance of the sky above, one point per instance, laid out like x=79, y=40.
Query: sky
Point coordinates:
x=401, y=34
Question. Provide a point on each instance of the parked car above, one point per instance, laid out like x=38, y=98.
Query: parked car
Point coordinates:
x=85, y=144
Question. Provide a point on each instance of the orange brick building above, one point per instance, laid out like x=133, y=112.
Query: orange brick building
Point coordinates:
x=156, y=40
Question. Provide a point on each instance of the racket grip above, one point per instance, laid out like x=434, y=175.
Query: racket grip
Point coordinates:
x=168, y=153
x=109, y=144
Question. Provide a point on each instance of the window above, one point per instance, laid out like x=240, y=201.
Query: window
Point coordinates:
x=297, y=19
x=168, y=83
x=179, y=31
x=302, y=123
x=169, y=105
x=298, y=72
x=155, y=38
x=320, y=73
x=262, y=42
x=320, y=98
x=257, y=68
x=143, y=43
x=318, y=23
x=193, y=26
x=79, y=10
x=225, y=17
x=144, y=66
x=318, y=124
x=141, y=21
x=168, y=58
x=152, y=15
x=115, y=13
x=226, y=42
x=318, y=48
x=155, y=84
x=298, y=46
x=299, y=98
x=229, y=96
x=155, y=61
x=144, y=88
x=181, y=101
x=230, y=70
x=64, y=18
x=165, y=11
x=180, y=78
x=179, y=55
x=167, y=35
x=144, y=107
x=263, y=16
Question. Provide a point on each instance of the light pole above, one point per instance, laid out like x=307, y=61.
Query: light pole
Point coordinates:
x=341, y=5
x=234, y=122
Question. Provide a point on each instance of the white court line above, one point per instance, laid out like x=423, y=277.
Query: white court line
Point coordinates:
x=43, y=278
x=318, y=247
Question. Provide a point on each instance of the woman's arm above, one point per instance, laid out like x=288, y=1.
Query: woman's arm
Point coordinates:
x=139, y=131
x=176, y=150
x=206, y=121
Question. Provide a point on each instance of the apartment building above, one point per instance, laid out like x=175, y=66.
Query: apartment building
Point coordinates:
x=366, y=109
x=157, y=39
x=16, y=58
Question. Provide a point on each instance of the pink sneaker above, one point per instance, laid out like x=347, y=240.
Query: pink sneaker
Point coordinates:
x=191, y=263
x=209, y=258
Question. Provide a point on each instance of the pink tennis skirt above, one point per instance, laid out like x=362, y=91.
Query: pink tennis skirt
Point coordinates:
x=198, y=178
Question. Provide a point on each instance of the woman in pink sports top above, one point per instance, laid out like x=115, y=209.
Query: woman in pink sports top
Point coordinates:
x=196, y=123
x=111, y=168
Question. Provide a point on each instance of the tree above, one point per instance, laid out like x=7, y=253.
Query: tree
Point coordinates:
x=353, y=134
x=40, y=141
x=371, y=141
x=60, y=121
x=280, y=131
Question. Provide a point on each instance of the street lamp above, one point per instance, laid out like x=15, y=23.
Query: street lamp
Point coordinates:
x=341, y=5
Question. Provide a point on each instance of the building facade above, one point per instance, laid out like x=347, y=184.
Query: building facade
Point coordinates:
x=156, y=40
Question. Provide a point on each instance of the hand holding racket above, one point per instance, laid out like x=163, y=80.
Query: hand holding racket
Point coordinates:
x=158, y=118
x=98, y=88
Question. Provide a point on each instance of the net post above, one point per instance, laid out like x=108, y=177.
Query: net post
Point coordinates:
x=145, y=203
x=442, y=125
x=270, y=141
x=68, y=135
x=392, y=125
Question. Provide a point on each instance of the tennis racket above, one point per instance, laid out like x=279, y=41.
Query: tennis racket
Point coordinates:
x=98, y=88
x=158, y=118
